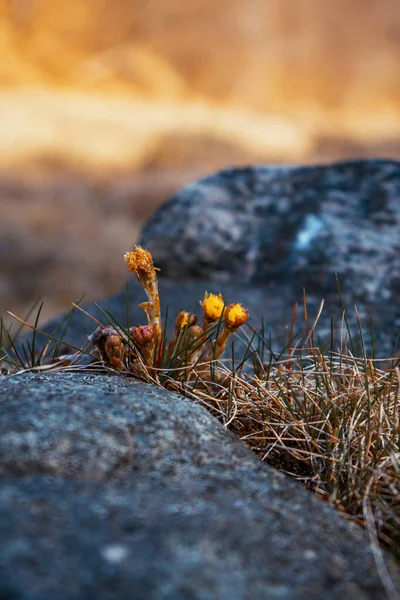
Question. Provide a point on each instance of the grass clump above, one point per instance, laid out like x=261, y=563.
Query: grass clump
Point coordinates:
x=324, y=415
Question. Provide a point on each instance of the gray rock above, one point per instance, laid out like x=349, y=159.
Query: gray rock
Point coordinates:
x=115, y=489
x=296, y=225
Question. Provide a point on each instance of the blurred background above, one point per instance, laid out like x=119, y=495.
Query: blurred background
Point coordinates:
x=108, y=107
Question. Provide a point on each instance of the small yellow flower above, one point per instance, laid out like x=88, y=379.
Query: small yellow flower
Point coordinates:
x=140, y=262
x=182, y=320
x=235, y=316
x=213, y=306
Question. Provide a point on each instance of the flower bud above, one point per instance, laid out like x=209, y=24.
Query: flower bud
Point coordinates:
x=114, y=349
x=184, y=319
x=194, y=333
x=142, y=335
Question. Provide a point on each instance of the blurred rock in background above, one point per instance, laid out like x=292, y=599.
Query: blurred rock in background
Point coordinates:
x=107, y=108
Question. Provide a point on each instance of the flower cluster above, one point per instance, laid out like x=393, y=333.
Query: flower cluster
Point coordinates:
x=144, y=346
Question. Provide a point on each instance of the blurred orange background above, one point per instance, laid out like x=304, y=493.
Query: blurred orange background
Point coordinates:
x=107, y=108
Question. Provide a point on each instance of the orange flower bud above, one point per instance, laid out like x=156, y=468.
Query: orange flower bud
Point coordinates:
x=142, y=335
x=195, y=332
x=184, y=319
x=114, y=349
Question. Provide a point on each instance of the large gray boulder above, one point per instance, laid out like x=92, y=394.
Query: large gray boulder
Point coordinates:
x=113, y=489
x=259, y=234
x=292, y=224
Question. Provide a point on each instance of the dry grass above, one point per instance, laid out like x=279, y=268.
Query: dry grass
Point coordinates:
x=330, y=420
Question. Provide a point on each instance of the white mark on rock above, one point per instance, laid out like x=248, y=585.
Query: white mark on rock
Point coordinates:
x=312, y=225
x=114, y=553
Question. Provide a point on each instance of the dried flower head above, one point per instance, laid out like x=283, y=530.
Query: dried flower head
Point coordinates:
x=140, y=262
x=110, y=345
x=235, y=316
x=114, y=349
x=213, y=306
x=101, y=335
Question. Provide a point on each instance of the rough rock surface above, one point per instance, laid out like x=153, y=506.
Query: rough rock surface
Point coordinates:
x=299, y=225
x=115, y=489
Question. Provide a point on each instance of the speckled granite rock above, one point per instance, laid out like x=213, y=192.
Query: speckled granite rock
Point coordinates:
x=113, y=489
x=287, y=224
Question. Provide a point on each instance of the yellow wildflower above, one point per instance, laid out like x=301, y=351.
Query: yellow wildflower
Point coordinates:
x=213, y=306
x=182, y=320
x=183, y=323
x=235, y=316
